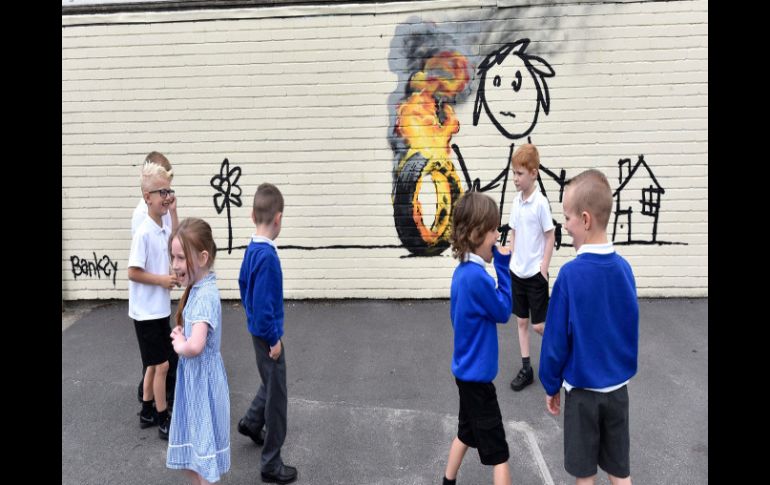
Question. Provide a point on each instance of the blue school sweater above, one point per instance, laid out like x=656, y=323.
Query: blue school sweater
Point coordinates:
x=591, y=335
x=261, y=285
x=476, y=306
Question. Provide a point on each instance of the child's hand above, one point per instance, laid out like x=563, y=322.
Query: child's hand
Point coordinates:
x=275, y=350
x=504, y=250
x=170, y=281
x=177, y=339
x=553, y=403
x=172, y=203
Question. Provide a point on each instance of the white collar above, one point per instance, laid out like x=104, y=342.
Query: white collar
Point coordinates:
x=605, y=248
x=156, y=228
x=475, y=258
x=528, y=199
x=263, y=239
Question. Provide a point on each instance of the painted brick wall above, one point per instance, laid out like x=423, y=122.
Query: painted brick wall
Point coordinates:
x=306, y=97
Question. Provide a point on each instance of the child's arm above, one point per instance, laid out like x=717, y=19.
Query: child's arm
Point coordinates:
x=137, y=261
x=190, y=347
x=495, y=300
x=139, y=275
x=546, y=222
x=555, y=347
x=268, y=299
x=172, y=211
x=550, y=238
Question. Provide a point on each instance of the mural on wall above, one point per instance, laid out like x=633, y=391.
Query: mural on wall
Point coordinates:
x=512, y=90
x=639, y=192
x=228, y=192
x=85, y=267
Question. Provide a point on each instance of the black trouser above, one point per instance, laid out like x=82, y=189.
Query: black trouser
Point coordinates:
x=269, y=406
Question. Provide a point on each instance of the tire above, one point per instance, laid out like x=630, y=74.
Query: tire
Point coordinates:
x=419, y=239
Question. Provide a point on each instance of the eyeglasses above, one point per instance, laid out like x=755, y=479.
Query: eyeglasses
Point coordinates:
x=163, y=192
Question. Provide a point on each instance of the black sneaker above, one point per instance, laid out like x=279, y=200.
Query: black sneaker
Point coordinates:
x=284, y=474
x=258, y=437
x=163, y=427
x=147, y=419
x=522, y=379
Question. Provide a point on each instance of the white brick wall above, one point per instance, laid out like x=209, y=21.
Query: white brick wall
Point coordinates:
x=299, y=96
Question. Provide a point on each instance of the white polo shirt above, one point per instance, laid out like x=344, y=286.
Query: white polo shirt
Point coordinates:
x=530, y=218
x=149, y=251
x=141, y=212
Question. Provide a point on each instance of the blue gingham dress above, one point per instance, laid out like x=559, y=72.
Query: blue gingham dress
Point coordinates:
x=199, y=438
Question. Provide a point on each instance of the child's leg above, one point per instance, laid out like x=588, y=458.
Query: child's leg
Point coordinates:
x=191, y=477
x=147, y=389
x=273, y=375
x=255, y=414
x=539, y=327
x=523, y=336
x=525, y=376
x=203, y=481
x=159, y=385
x=585, y=481
x=502, y=474
x=619, y=481
x=456, y=454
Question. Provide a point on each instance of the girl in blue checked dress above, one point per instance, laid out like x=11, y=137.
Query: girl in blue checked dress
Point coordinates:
x=199, y=439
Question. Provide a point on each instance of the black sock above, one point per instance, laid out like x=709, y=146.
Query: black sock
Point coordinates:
x=147, y=406
x=448, y=481
x=525, y=362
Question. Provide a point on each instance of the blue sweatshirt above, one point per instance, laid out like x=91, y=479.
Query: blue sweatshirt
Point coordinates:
x=591, y=335
x=261, y=285
x=476, y=306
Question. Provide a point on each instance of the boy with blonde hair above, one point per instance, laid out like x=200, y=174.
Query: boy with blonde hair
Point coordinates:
x=149, y=297
x=591, y=340
x=171, y=219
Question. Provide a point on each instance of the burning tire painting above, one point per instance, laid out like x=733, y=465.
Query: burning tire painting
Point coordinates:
x=425, y=124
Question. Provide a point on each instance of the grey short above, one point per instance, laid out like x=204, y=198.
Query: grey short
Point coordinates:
x=596, y=432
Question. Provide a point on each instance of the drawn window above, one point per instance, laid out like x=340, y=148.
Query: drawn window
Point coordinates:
x=650, y=201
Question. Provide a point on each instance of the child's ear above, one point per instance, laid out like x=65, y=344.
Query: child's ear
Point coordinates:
x=587, y=220
x=146, y=197
x=277, y=218
x=203, y=258
x=253, y=217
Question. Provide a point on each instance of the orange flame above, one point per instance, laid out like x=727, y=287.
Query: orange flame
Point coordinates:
x=418, y=119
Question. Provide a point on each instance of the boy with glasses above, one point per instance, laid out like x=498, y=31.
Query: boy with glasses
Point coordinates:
x=170, y=219
x=149, y=297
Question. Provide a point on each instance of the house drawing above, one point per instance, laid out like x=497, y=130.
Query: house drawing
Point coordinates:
x=637, y=199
